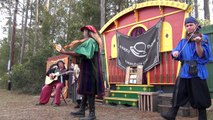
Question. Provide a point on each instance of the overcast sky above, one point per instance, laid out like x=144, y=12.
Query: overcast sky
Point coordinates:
x=2, y=24
x=4, y=19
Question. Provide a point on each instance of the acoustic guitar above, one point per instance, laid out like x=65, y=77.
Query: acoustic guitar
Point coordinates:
x=49, y=80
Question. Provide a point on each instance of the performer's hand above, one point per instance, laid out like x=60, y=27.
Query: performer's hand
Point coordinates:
x=58, y=47
x=66, y=88
x=197, y=39
x=175, y=54
x=51, y=76
x=62, y=50
x=66, y=46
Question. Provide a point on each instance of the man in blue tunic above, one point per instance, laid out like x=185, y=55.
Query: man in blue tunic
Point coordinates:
x=193, y=52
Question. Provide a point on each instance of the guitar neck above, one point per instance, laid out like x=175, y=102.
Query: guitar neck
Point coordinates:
x=64, y=73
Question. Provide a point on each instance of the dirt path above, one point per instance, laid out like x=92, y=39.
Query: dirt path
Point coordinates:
x=22, y=107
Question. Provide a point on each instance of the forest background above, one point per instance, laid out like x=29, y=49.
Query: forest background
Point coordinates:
x=33, y=25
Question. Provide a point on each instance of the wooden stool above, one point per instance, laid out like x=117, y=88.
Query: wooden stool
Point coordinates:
x=62, y=96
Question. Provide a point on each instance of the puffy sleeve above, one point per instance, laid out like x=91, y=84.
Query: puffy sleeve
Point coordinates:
x=178, y=48
x=87, y=48
x=207, y=50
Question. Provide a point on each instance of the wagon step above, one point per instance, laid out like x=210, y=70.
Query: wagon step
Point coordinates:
x=121, y=101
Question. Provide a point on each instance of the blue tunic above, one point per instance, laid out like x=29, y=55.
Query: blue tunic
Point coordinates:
x=188, y=53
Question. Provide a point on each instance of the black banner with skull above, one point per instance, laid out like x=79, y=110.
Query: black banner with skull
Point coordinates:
x=141, y=50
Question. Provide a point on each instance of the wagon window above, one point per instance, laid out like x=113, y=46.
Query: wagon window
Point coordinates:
x=137, y=31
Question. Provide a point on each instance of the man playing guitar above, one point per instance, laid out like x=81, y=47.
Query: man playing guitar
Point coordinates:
x=58, y=84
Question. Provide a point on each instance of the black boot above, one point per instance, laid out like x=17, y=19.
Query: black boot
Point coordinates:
x=202, y=114
x=171, y=114
x=78, y=104
x=81, y=111
x=91, y=116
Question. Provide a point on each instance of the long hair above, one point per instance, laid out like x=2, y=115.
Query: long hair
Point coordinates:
x=60, y=61
x=97, y=38
x=53, y=66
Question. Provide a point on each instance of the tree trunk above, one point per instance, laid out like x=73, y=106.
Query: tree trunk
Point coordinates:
x=13, y=36
x=9, y=35
x=31, y=13
x=30, y=29
x=24, y=33
x=47, y=5
x=196, y=9
x=36, y=29
x=206, y=9
x=102, y=7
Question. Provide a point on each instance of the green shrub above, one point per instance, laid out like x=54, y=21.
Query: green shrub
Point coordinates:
x=29, y=77
x=4, y=81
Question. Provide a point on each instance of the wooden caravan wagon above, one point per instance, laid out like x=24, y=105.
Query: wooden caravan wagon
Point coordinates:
x=138, y=19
